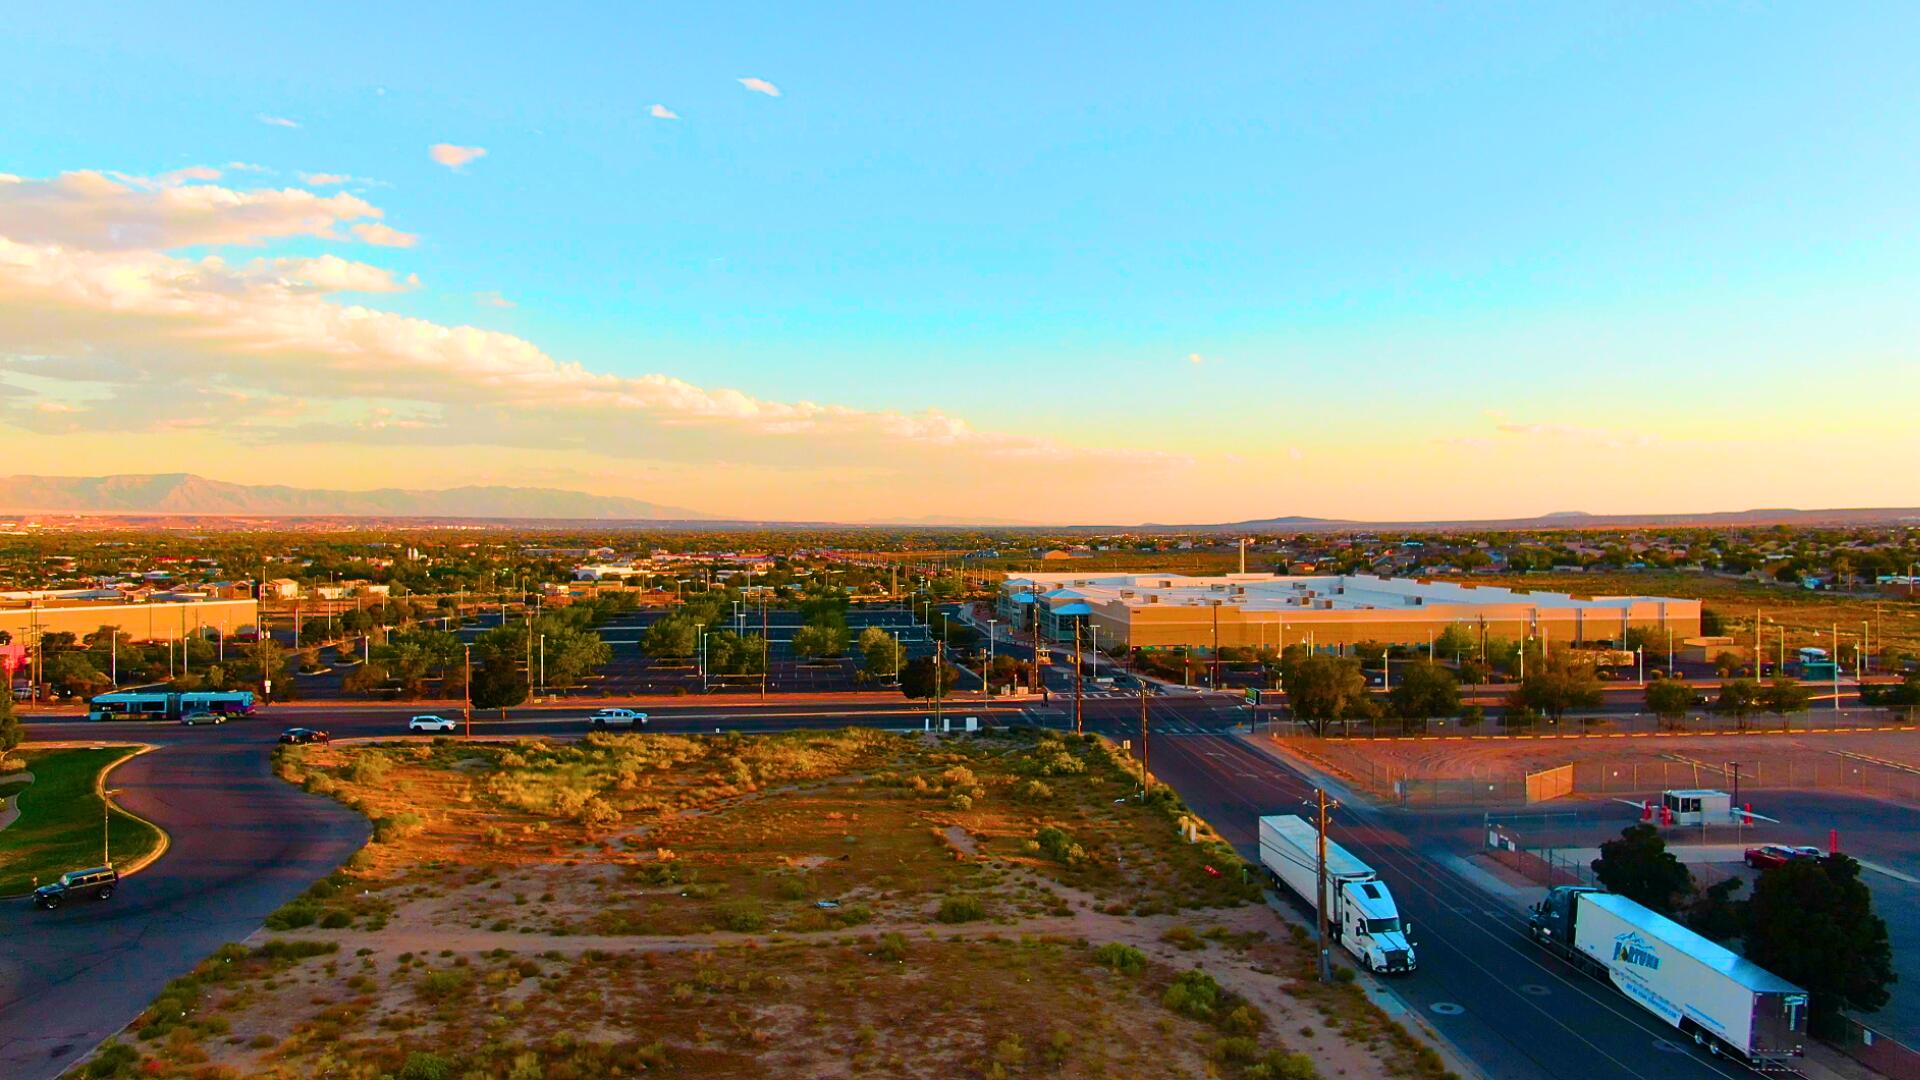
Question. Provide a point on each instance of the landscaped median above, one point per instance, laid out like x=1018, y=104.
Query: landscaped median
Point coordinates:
x=63, y=820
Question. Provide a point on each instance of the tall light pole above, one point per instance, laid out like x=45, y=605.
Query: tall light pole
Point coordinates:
x=106, y=826
x=985, y=690
x=467, y=687
x=1320, y=888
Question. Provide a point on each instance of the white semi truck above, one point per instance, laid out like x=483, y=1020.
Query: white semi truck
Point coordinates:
x=1361, y=915
x=1724, y=1001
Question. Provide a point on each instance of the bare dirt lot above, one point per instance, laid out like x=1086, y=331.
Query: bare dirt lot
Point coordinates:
x=1883, y=764
x=806, y=904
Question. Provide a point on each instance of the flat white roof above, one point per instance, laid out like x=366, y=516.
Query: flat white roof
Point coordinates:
x=1265, y=592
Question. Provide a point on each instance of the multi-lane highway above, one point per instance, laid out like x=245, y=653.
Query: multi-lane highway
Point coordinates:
x=244, y=843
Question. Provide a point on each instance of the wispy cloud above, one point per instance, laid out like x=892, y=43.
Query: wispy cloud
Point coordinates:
x=760, y=86
x=661, y=112
x=277, y=121
x=381, y=235
x=493, y=300
x=1196, y=359
x=325, y=179
x=453, y=156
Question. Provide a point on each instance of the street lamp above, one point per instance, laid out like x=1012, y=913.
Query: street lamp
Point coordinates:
x=467, y=688
x=106, y=812
x=985, y=690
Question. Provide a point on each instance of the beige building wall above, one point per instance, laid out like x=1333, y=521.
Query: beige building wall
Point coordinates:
x=1168, y=625
x=142, y=622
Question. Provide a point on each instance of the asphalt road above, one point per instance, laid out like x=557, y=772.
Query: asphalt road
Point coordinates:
x=244, y=843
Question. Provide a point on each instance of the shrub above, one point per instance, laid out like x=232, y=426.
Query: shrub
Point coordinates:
x=424, y=1066
x=892, y=947
x=959, y=776
x=336, y=920
x=1193, y=994
x=1055, y=842
x=114, y=1059
x=597, y=813
x=1036, y=790
x=442, y=984
x=1124, y=959
x=742, y=918
x=961, y=802
x=294, y=914
x=369, y=767
x=1280, y=1065
x=959, y=909
x=283, y=949
x=1183, y=938
x=398, y=827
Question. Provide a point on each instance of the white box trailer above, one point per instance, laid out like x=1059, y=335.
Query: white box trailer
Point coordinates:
x=1726, y=1002
x=1361, y=914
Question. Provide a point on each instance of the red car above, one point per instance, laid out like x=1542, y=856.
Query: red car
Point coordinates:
x=1768, y=856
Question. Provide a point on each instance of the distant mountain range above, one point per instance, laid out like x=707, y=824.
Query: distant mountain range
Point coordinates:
x=179, y=496
x=187, y=494
x=1565, y=519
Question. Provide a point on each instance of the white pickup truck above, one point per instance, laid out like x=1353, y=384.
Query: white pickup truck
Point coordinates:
x=617, y=718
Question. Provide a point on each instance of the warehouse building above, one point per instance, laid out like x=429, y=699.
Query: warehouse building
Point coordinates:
x=26, y=616
x=1263, y=611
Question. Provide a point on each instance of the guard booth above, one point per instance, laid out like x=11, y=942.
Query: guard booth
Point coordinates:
x=1691, y=806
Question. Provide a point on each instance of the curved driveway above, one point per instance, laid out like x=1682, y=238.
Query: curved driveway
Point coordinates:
x=243, y=844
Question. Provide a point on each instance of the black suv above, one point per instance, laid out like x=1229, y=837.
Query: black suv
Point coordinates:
x=298, y=735
x=95, y=884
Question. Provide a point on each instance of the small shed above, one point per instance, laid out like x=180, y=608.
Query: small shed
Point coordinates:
x=1691, y=806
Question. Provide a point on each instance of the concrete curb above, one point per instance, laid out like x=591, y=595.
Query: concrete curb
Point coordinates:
x=100, y=789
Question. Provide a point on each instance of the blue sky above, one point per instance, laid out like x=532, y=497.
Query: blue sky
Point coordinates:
x=1633, y=222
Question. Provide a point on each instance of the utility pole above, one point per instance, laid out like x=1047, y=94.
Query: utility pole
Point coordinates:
x=939, y=687
x=986, y=691
x=764, y=654
x=1146, y=781
x=1213, y=681
x=1320, y=895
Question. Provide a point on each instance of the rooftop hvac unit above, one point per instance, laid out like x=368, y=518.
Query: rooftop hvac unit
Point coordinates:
x=1326, y=605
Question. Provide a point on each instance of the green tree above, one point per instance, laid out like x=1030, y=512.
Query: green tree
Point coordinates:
x=498, y=683
x=919, y=677
x=1907, y=694
x=1425, y=690
x=821, y=637
x=1557, y=684
x=1324, y=690
x=1639, y=867
x=71, y=673
x=1783, y=695
x=1812, y=923
x=1739, y=698
x=671, y=636
x=1669, y=699
x=11, y=733
x=571, y=653
x=1455, y=643
x=881, y=655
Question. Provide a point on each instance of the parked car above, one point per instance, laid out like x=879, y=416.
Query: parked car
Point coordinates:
x=1768, y=856
x=300, y=735
x=430, y=722
x=97, y=883
x=198, y=717
x=617, y=718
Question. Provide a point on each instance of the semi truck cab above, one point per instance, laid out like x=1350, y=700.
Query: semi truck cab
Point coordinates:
x=1371, y=929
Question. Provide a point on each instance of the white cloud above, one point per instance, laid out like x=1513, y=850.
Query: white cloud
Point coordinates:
x=191, y=172
x=760, y=86
x=324, y=179
x=455, y=156
x=92, y=210
x=326, y=274
x=1195, y=358
x=493, y=300
x=384, y=236
x=278, y=121
x=246, y=166
x=268, y=329
x=661, y=112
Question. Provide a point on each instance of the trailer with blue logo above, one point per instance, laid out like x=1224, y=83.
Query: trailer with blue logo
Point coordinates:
x=1723, y=1001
